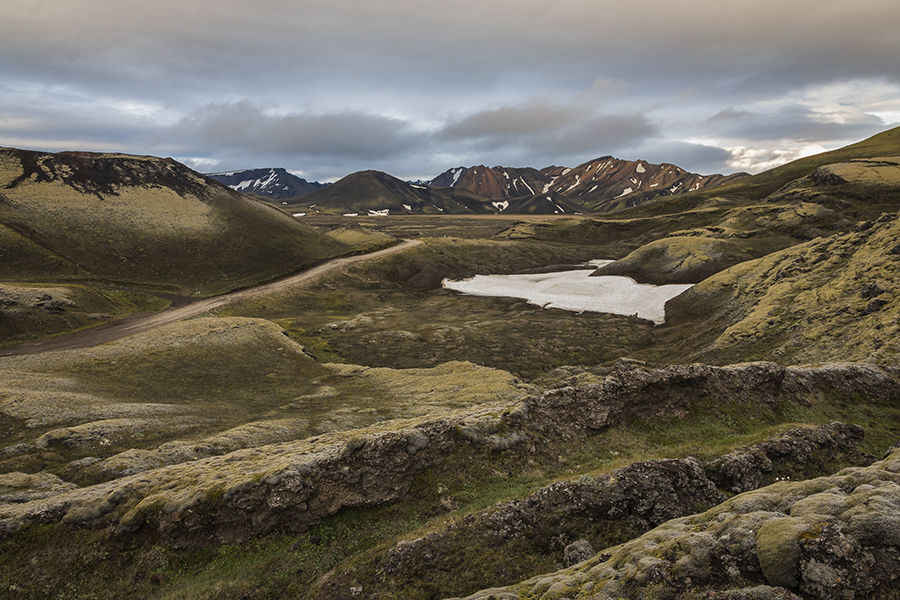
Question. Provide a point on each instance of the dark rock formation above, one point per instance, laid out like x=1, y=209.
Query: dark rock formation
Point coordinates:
x=825, y=538
x=810, y=450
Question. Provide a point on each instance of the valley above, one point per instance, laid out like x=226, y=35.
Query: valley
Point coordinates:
x=321, y=418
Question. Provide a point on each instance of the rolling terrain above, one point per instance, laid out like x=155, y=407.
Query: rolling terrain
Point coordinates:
x=366, y=433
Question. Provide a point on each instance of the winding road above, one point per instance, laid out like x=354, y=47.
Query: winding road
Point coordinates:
x=133, y=324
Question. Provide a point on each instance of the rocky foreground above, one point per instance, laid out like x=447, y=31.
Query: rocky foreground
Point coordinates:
x=829, y=537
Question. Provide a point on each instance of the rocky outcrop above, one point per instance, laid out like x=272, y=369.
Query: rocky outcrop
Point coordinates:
x=565, y=521
x=798, y=452
x=830, y=537
x=294, y=485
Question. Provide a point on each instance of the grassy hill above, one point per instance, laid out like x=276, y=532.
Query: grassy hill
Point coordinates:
x=757, y=187
x=142, y=222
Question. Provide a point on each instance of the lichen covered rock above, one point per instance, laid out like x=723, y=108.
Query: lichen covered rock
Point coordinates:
x=831, y=537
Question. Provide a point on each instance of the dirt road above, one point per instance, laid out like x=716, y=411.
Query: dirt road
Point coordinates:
x=142, y=322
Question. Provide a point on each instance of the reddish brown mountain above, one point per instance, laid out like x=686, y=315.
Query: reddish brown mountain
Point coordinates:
x=603, y=184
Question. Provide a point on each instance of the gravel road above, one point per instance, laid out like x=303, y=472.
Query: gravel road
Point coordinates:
x=133, y=324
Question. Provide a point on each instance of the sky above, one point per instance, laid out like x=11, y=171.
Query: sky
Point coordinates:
x=416, y=87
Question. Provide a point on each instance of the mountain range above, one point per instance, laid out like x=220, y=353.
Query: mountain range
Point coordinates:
x=602, y=185
x=270, y=184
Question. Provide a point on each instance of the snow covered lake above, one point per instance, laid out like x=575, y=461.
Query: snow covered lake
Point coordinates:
x=576, y=291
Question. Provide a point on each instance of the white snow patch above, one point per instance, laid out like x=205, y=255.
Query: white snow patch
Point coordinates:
x=407, y=207
x=653, y=185
x=593, y=188
x=525, y=183
x=640, y=168
x=576, y=291
x=299, y=214
x=565, y=172
x=456, y=174
x=501, y=206
x=625, y=192
x=421, y=187
x=351, y=214
x=379, y=213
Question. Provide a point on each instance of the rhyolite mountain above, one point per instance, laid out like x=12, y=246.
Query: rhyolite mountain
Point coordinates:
x=601, y=185
x=144, y=222
x=377, y=193
x=271, y=184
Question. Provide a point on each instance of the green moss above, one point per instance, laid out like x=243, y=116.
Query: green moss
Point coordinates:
x=778, y=549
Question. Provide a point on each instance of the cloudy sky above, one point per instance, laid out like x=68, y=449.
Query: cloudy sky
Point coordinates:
x=415, y=87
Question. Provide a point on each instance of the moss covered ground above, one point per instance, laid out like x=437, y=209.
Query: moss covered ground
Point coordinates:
x=381, y=340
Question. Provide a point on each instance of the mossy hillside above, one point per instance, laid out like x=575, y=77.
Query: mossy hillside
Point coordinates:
x=689, y=256
x=147, y=222
x=31, y=312
x=859, y=190
x=202, y=388
x=26, y=261
x=362, y=239
x=830, y=299
x=751, y=190
x=651, y=249
x=678, y=259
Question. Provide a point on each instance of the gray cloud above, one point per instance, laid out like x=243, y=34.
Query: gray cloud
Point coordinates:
x=321, y=87
x=546, y=130
x=244, y=126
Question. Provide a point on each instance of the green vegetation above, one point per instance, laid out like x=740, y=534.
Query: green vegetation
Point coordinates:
x=142, y=222
x=349, y=550
x=33, y=312
x=797, y=266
